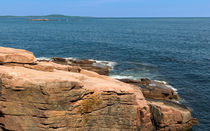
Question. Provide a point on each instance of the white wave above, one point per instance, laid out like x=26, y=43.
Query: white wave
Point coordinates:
x=167, y=85
x=163, y=82
x=111, y=64
x=70, y=58
x=122, y=77
x=51, y=58
x=105, y=63
x=44, y=58
x=152, y=85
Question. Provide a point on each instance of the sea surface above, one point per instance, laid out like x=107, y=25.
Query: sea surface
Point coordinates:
x=175, y=50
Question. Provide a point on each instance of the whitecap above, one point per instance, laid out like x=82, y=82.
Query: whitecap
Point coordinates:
x=163, y=82
x=70, y=58
x=51, y=58
x=167, y=85
x=44, y=58
x=110, y=64
x=122, y=77
x=100, y=63
x=152, y=85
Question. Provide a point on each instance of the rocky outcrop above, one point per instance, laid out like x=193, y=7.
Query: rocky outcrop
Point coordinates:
x=170, y=116
x=91, y=65
x=154, y=89
x=61, y=100
x=167, y=113
x=52, y=97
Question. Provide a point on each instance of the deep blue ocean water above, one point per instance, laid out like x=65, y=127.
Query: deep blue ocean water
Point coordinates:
x=175, y=50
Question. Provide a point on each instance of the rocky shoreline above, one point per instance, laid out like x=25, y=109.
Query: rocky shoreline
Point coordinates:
x=79, y=95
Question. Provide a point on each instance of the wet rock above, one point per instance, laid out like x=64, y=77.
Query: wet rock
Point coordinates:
x=130, y=81
x=157, y=90
x=60, y=60
x=81, y=62
x=90, y=65
x=154, y=89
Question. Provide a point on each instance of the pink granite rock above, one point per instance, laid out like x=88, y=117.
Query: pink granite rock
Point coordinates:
x=10, y=55
x=48, y=96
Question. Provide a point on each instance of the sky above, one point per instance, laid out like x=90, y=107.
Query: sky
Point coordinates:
x=107, y=8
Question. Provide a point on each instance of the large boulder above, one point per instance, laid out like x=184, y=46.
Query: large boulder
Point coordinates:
x=170, y=116
x=158, y=90
x=10, y=55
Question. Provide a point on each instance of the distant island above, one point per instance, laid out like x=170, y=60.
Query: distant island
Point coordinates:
x=43, y=19
x=40, y=19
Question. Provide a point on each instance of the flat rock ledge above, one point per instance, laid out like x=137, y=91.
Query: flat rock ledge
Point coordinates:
x=91, y=65
x=47, y=96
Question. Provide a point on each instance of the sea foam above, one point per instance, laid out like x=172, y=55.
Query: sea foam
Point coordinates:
x=167, y=85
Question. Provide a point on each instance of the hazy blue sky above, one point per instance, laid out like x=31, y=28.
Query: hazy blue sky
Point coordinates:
x=125, y=8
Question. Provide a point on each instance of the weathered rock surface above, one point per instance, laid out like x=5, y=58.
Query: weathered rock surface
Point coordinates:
x=36, y=100
x=45, y=96
x=9, y=55
x=154, y=89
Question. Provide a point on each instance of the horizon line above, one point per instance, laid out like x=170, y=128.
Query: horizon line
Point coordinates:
x=54, y=15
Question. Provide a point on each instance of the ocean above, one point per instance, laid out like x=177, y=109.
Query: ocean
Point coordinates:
x=174, y=50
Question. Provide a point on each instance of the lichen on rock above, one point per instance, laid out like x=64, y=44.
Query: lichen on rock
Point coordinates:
x=89, y=103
